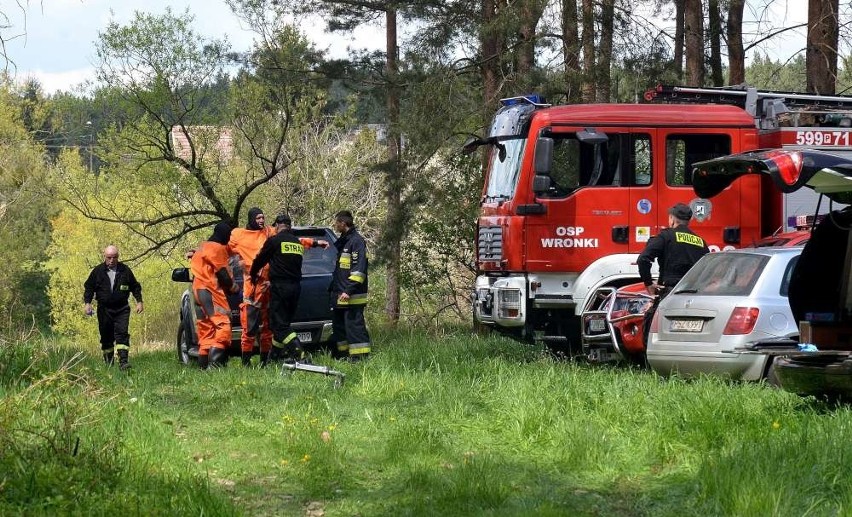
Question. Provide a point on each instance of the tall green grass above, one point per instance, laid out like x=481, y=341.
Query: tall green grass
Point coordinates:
x=446, y=424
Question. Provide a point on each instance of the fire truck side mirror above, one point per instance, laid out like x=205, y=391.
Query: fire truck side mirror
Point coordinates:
x=471, y=144
x=543, y=156
x=541, y=184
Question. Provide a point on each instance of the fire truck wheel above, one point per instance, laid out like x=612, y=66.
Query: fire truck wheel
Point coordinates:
x=566, y=343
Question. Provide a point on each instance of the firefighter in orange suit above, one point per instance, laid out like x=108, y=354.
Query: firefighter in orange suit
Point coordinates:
x=211, y=280
x=254, y=310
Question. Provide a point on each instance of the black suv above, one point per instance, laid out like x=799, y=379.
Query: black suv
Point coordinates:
x=313, y=316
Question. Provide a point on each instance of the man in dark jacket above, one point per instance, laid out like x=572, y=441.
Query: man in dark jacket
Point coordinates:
x=349, y=290
x=283, y=252
x=111, y=283
x=676, y=249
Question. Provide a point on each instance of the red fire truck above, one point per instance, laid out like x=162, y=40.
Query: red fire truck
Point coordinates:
x=572, y=193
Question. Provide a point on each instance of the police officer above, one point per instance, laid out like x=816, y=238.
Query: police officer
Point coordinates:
x=283, y=252
x=349, y=290
x=111, y=283
x=676, y=249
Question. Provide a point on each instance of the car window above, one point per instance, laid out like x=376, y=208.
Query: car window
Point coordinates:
x=788, y=273
x=318, y=261
x=724, y=274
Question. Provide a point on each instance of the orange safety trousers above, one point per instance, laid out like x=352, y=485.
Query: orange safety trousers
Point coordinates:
x=214, y=325
x=254, y=316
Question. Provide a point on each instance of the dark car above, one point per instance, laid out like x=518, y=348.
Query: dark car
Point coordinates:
x=312, y=321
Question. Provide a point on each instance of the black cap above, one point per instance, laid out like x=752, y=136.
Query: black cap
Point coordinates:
x=681, y=212
x=283, y=219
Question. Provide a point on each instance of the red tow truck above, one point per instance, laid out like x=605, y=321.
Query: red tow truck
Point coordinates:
x=572, y=193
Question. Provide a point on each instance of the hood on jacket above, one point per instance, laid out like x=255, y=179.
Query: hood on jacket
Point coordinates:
x=221, y=232
x=252, y=215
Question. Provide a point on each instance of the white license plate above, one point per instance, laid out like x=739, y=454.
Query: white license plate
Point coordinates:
x=687, y=325
x=305, y=337
x=597, y=325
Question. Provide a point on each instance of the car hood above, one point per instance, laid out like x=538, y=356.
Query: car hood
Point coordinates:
x=790, y=170
x=815, y=293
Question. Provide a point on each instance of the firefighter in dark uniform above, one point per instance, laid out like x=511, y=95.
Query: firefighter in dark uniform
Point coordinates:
x=676, y=249
x=349, y=291
x=283, y=252
x=111, y=283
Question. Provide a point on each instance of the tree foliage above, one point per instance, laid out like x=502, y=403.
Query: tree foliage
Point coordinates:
x=26, y=205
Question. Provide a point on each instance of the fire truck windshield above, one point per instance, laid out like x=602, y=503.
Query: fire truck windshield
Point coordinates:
x=503, y=173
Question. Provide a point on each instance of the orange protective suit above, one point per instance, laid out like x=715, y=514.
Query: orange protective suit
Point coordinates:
x=254, y=310
x=214, y=327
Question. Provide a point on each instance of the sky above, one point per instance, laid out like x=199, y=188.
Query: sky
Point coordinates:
x=55, y=42
x=56, y=38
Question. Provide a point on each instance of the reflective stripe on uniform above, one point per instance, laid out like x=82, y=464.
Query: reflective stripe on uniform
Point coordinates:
x=342, y=346
x=358, y=299
x=355, y=299
x=359, y=348
x=121, y=347
x=357, y=276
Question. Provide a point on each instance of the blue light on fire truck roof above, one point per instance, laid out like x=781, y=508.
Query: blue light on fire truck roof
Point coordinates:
x=533, y=98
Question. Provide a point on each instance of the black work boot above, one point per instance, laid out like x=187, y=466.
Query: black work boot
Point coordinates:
x=218, y=357
x=203, y=361
x=264, y=359
x=109, y=357
x=277, y=352
x=246, y=359
x=123, y=363
x=294, y=351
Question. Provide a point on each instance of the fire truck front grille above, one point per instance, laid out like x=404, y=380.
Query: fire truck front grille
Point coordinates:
x=490, y=243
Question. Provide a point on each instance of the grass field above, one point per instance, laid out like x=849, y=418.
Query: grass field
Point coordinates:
x=449, y=424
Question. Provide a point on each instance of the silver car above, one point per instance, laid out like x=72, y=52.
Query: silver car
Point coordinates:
x=727, y=300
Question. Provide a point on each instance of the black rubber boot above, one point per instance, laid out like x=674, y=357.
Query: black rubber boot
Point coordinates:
x=277, y=352
x=294, y=351
x=123, y=362
x=246, y=359
x=203, y=361
x=264, y=359
x=218, y=357
x=109, y=358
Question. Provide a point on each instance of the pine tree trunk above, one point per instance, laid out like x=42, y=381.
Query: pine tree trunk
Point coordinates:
x=394, y=220
x=693, y=30
x=715, y=32
x=736, y=54
x=604, y=57
x=678, y=39
x=571, y=50
x=588, y=90
x=821, y=55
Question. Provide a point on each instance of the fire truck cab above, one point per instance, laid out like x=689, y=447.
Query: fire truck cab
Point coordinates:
x=573, y=193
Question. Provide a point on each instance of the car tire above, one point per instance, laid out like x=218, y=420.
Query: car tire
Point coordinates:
x=183, y=345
